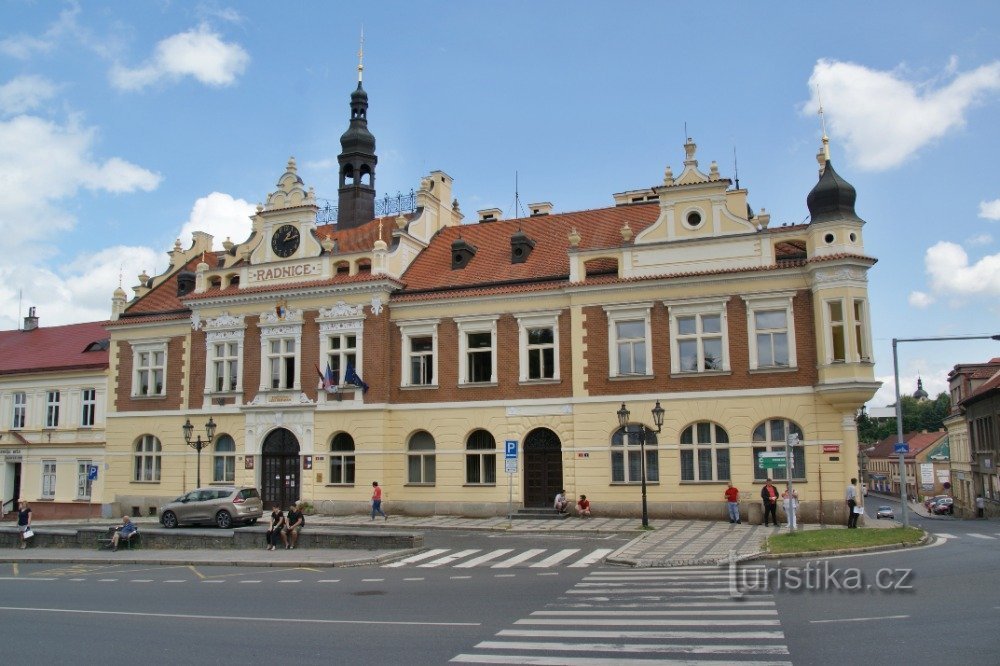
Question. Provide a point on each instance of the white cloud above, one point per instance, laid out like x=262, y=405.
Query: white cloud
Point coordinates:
x=919, y=299
x=883, y=119
x=25, y=93
x=43, y=162
x=950, y=272
x=990, y=209
x=23, y=47
x=981, y=239
x=199, y=53
x=220, y=215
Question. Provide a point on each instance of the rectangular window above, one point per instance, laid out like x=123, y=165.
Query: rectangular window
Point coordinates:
x=481, y=468
x=422, y=360
x=861, y=331
x=699, y=342
x=541, y=353
x=838, y=350
x=52, y=409
x=281, y=361
x=48, y=479
x=420, y=468
x=343, y=352
x=631, y=342
x=342, y=468
x=88, y=412
x=771, y=327
x=225, y=366
x=20, y=409
x=83, y=482
x=479, y=357
x=150, y=369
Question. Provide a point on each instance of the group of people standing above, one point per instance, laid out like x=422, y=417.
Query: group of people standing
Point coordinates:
x=769, y=497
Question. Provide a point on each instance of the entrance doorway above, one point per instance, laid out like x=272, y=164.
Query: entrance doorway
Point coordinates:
x=279, y=471
x=542, y=467
x=11, y=486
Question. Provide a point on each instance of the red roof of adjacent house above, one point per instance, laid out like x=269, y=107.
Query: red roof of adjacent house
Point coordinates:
x=45, y=349
x=984, y=389
x=918, y=441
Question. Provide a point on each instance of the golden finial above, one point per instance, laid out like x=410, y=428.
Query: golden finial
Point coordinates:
x=822, y=120
x=361, y=54
x=380, y=229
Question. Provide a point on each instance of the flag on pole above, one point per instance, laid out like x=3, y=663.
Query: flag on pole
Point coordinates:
x=330, y=379
x=351, y=377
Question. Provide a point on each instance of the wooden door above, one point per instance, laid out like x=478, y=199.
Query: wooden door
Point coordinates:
x=279, y=474
x=542, y=468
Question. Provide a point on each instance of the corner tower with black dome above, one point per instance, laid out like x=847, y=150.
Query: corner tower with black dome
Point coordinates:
x=356, y=201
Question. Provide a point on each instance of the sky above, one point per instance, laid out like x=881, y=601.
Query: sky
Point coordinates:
x=127, y=125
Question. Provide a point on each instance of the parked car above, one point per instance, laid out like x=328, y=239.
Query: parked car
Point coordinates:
x=221, y=506
x=944, y=506
x=929, y=501
x=885, y=512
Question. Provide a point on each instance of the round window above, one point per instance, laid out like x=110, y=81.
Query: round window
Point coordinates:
x=829, y=238
x=854, y=237
x=694, y=219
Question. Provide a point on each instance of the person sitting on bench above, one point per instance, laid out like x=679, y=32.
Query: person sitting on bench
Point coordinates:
x=125, y=532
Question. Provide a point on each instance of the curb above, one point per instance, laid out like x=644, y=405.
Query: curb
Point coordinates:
x=924, y=540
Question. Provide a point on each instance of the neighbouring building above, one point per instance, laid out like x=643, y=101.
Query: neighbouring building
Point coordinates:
x=963, y=380
x=53, y=398
x=401, y=344
x=980, y=404
x=927, y=466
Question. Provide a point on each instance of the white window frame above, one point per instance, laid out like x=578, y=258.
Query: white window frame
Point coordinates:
x=525, y=324
x=471, y=325
x=280, y=329
x=150, y=369
x=829, y=326
x=347, y=458
x=695, y=447
x=84, y=486
x=338, y=322
x=769, y=444
x=225, y=330
x=147, y=461
x=228, y=459
x=769, y=303
x=19, y=413
x=623, y=313
x=418, y=329
x=49, y=479
x=88, y=408
x=487, y=461
x=626, y=451
x=53, y=400
x=425, y=458
x=862, y=330
x=224, y=363
x=698, y=307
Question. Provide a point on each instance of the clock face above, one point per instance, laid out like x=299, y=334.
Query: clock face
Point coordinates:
x=285, y=240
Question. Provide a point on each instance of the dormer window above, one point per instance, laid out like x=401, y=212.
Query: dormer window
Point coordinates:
x=461, y=253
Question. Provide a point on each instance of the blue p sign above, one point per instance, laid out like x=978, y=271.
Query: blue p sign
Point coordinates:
x=510, y=449
x=92, y=473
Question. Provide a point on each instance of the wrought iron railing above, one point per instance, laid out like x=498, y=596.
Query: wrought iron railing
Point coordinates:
x=387, y=205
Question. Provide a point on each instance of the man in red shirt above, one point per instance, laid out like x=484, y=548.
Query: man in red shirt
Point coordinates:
x=733, y=504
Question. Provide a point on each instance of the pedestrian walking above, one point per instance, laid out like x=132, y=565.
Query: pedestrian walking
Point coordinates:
x=851, y=497
x=733, y=503
x=769, y=496
x=377, y=501
x=980, y=506
x=24, y=523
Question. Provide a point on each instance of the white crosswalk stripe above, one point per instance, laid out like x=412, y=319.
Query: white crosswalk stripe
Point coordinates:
x=946, y=536
x=981, y=536
x=503, y=558
x=665, y=624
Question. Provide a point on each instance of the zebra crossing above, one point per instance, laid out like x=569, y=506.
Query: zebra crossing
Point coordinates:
x=975, y=535
x=502, y=558
x=650, y=616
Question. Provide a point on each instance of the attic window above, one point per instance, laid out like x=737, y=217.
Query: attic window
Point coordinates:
x=693, y=219
x=98, y=346
x=829, y=238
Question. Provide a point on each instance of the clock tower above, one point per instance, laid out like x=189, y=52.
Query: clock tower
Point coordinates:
x=357, y=160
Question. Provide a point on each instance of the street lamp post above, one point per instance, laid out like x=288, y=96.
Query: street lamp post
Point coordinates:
x=641, y=431
x=198, y=443
x=899, y=411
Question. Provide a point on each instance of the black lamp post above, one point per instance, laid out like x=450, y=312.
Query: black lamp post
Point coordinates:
x=198, y=444
x=642, y=432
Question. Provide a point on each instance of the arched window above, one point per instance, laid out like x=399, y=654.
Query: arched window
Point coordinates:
x=421, y=460
x=147, y=459
x=224, y=467
x=704, y=452
x=342, y=459
x=770, y=436
x=481, y=459
x=626, y=457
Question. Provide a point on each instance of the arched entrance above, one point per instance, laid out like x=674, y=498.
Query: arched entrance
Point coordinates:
x=542, y=467
x=279, y=471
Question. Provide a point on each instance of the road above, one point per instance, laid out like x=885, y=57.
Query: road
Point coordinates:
x=465, y=603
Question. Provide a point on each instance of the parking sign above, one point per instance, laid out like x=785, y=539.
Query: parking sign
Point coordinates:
x=510, y=449
x=92, y=473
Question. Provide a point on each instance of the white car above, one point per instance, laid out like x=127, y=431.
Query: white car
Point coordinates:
x=885, y=512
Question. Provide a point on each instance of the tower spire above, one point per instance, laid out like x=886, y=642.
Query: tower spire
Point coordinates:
x=361, y=55
x=822, y=120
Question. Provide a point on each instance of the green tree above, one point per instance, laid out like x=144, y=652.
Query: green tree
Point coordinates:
x=918, y=415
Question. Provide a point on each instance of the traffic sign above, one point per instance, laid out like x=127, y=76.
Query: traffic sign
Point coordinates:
x=901, y=448
x=772, y=460
x=92, y=472
x=510, y=449
x=510, y=465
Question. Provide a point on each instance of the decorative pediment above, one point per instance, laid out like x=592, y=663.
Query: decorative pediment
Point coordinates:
x=224, y=321
x=281, y=315
x=291, y=190
x=341, y=310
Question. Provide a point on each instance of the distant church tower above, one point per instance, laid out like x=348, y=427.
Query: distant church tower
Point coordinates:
x=356, y=203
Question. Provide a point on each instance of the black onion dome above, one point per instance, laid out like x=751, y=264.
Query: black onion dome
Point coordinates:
x=357, y=138
x=832, y=198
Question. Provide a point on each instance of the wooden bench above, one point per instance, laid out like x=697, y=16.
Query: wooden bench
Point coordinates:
x=106, y=541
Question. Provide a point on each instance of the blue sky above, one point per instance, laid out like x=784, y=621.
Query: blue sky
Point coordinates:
x=125, y=125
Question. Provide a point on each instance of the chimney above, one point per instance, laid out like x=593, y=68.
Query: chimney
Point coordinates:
x=490, y=214
x=31, y=321
x=541, y=208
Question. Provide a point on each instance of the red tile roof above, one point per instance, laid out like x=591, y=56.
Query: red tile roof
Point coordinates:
x=985, y=389
x=51, y=348
x=918, y=441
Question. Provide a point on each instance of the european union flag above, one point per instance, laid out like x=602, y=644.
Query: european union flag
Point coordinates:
x=352, y=377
